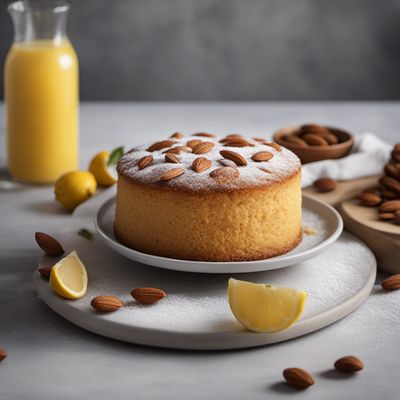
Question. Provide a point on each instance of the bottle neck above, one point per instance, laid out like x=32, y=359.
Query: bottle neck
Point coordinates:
x=39, y=20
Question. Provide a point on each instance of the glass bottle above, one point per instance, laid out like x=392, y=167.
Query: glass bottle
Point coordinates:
x=41, y=93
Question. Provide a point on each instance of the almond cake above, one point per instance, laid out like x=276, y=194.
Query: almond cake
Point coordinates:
x=207, y=198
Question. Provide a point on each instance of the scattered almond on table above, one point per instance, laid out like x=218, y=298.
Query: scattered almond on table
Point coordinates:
x=3, y=354
x=301, y=379
x=349, y=364
x=298, y=378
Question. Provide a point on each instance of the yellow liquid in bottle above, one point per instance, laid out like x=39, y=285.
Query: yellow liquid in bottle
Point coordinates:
x=41, y=94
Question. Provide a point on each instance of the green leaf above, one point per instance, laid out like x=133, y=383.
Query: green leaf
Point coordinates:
x=115, y=156
x=85, y=234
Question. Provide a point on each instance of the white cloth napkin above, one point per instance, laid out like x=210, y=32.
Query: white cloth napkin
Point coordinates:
x=368, y=157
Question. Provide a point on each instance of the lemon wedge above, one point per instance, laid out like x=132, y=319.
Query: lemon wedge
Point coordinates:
x=265, y=308
x=104, y=174
x=68, y=277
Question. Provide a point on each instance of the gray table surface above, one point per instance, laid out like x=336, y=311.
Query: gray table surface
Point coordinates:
x=50, y=359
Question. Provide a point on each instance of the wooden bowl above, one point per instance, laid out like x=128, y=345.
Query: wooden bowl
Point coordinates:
x=316, y=153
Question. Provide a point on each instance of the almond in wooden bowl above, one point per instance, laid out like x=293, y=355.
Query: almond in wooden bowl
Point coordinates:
x=314, y=142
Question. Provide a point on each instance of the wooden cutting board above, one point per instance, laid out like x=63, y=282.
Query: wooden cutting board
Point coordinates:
x=382, y=237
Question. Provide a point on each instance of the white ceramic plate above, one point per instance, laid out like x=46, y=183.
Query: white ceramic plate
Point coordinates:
x=196, y=314
x=317, y=215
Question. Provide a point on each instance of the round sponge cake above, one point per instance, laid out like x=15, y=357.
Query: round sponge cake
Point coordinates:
x=210, y=199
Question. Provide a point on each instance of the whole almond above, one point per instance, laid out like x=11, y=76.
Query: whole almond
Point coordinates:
x=295, y=140
x=178, y=150
x=203, y=147
x=386, y=216
x=172, y=158
x=3, y=354
x=274, y=146
x=262, y=156
x=237, y=158
x=193, y=143
x=177, y=135
x=145, y=162
x=349, y=364
x=324, y=185
x=233, y=136
x=392, y=170
x=389, y=206
x=201, y=164
x=225, y=174
x=171, y=174
x=314, y=140
x=259, y=139
x=237, y=142
x=185, y=149
x=49, y=244
x=391, y=283
x=148, y=295
x=390, y=183
x=161, y=145
x=329, y=137
x=106, y=303
x=204, y=134
x=388, y=194
x=298, y=378
x=313, y=128
x=45, y=273
x=369, y=199
x=395, y=155
x=371, y=189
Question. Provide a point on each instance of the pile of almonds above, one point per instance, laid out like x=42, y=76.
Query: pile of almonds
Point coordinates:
x=230, y=159
x=312, y=135
x=386, y=195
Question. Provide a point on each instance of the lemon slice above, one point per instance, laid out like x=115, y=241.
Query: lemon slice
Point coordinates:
x=265, y=308
x=105, y=175
x=68, y=277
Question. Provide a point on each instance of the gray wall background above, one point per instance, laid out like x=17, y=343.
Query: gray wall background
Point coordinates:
x=233, y=49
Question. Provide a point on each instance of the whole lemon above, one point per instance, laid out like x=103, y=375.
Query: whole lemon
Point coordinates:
x=73, y=188
x=98, y=166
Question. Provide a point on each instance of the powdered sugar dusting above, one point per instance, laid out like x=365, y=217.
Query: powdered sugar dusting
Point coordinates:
x=282, y=165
